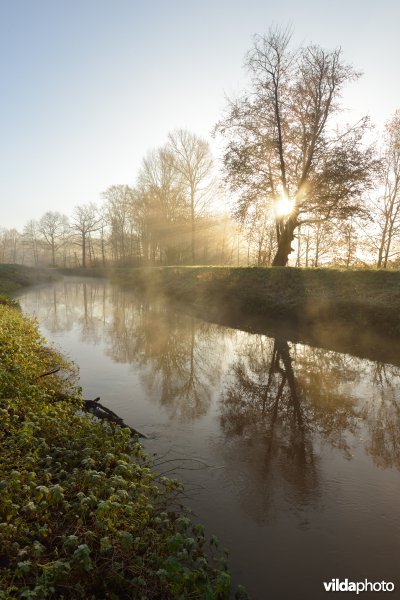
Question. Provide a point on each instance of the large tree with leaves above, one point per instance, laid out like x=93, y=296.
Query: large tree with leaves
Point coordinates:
x=282, y=142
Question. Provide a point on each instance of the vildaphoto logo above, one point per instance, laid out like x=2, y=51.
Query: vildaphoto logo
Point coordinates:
x=337, y=585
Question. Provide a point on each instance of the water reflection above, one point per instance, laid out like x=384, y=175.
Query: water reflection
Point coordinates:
x=177, y=354
x=308, y=439
x=284, y=405
x=278, y=404
x=79, y=304
x=382, y=416
x=288, y=396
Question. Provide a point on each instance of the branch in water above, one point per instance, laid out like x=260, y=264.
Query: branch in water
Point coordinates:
x=102, y=412
x=48, y=373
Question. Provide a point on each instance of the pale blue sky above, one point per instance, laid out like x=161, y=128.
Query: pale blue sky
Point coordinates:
x=88, y=86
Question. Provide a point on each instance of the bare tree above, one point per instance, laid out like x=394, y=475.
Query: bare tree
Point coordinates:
x=162, y=188
x=11, y=250
x=192, y=159
x=31, y=238
x=119, y=209
x=103, y=229
x=53, y=228
x=345, y=253
x=389, y=205
x=85, y=221
x=282, y=144
x=259, y=227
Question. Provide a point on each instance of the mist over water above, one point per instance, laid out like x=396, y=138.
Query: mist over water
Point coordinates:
x=290, y=453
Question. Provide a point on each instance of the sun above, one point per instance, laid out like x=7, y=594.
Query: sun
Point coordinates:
x=283, y=206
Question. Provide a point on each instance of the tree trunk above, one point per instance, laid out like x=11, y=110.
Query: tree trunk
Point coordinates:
x=382, y=243
x=285, y=243
x=193, y=244
x=388, y=243
x=83, y=251
x=298, y=248
x=103, y=254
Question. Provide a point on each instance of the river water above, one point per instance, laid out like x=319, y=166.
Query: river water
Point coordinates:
x=290, y=453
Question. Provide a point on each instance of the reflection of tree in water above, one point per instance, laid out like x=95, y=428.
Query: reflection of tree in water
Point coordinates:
x=326, y=380
x=282, y=401
x=273, y=413
x=91, y=298
x=186, y=367
x=281, y=404
x=180, y=355
x=61, y=306
x=52, y=307
x=382, y=416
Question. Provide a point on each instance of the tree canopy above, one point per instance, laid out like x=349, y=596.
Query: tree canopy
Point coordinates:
x=282, y=141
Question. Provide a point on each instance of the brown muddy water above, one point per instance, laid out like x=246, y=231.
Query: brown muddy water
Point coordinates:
x=290, y=453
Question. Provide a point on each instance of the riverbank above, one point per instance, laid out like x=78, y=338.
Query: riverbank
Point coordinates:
x=14, y=277
x=82, y=512
x=368, y=297
x=310, y=299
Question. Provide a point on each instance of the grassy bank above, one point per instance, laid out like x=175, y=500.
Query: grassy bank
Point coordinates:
x=367, y=298
x=82, y=512
x=15, y=277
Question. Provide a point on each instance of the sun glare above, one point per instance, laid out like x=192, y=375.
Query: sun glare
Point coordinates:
x=283, y=206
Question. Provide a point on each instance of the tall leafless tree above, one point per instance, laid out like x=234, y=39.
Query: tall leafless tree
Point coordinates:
x=162, y=188
x=192, y=160
x=31, y=239
x=119, y=210
x=389, y=205
x=53, y=228
x=85, y=220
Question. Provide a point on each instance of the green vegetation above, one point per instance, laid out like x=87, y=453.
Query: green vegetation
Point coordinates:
x=82, y=512
x=365, y=298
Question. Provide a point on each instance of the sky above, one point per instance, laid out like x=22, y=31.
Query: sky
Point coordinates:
x=88, y=87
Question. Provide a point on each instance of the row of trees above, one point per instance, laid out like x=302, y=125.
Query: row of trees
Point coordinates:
x=306, y=189
x=163, y=219
x=57, y=240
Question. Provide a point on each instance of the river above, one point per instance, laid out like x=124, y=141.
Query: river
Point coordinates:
x=290, y=453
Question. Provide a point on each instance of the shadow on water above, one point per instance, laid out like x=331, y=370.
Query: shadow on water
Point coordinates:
x=307, y=438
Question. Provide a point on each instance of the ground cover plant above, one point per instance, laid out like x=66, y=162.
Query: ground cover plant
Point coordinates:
x=82, y=512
